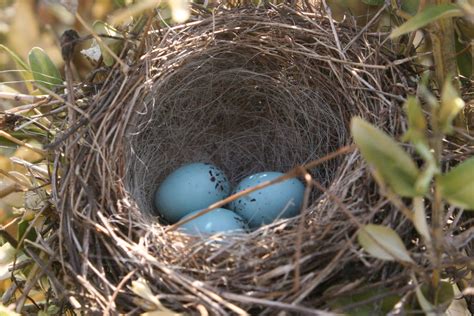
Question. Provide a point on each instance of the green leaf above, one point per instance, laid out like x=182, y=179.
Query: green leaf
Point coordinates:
x=463, y=56
x=416, y=121
x=416, y=134
x=451, y=105
x=44, y=71
x=23, y=226
x=391, y=162
x=416, y=118
x=120, y=3
x=435, y=301
x=374, y=2
x=420, y=220
x=442, y=296
x=18, y=61
x=425, y=305
x=365, y=303
x=26, y=73
x=425, y=17
x=410, y=6
x=429, y=171
x=383, y=243
x=457, y=186
x=115, y=45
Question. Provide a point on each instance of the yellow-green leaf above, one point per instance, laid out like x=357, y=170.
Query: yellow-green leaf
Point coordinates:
x=17, y=59
x=383, y=243
x=426, y=16
x=391, y=162
x=420, y=220
x=451, y=105
x=115, y=45
x=363, y=299
x=410, y=6
x=457, y=186
x=374, y=2
x=427, y=307
x=44, y=71
x=23, y=66
x=23, y=228
x=416, y=119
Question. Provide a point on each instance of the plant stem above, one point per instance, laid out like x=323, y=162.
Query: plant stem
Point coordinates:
x=444, y=53
x=437, y=207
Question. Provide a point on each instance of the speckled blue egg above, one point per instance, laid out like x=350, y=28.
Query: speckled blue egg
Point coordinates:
x=191, y=187
x=281, y=200
x=216, y=221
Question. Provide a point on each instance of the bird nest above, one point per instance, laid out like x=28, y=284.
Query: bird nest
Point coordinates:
x=249, y=90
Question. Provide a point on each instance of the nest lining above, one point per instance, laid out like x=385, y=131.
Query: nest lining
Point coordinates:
x=243, y=112
x=248, y=90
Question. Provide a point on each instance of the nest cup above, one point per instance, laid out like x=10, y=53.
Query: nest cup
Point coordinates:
x=248, y=90
x=237, y=106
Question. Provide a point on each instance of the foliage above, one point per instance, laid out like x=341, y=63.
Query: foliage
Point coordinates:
x=388, y=162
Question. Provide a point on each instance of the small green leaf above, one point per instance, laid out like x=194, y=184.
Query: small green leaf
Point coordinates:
x=23, y=226
x=374, y=2
x=416, y=119
x=426, y=16
x=427, y=173
x=364, y=299
x=26, y=73
x=115, y=45
x=44, y=71
x=416, y=134
x=383, y=243
x=53, y=310
x=390, y=161
x=451, y=105
x=420, y=220
x=463, y=55
x=18, y=61
x=457, y=186
x=120, y=3
x=410, y=6
x=425, y=305
x=435, y=301
x=442, y=296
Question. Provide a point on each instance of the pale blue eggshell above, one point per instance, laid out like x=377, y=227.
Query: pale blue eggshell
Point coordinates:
x=191, y=187
x=281, y=200
x=220, y=220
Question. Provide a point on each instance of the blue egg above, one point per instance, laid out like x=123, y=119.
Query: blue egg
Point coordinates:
x=216, y=221
x=281, y=200
x=191, y=187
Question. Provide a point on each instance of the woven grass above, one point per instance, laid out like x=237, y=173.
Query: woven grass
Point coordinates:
x=249, y=90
